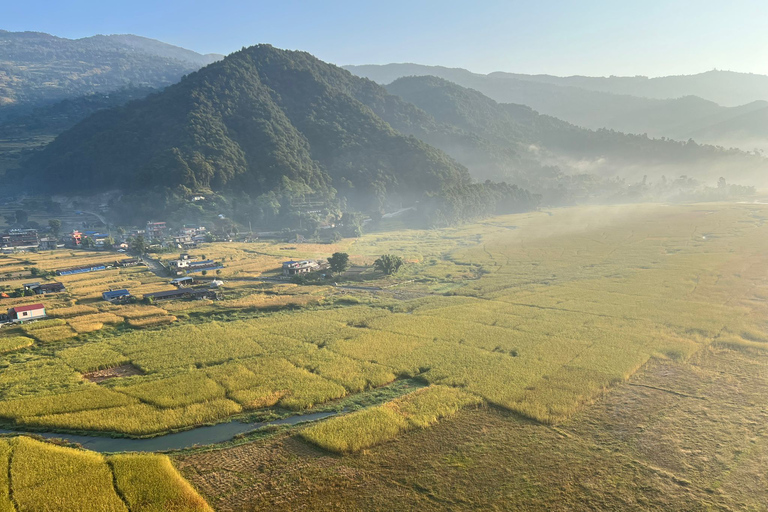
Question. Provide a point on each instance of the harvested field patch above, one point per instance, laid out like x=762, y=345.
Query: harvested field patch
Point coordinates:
x=124, y=370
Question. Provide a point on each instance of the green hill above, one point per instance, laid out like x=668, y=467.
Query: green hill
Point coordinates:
x=260, y=120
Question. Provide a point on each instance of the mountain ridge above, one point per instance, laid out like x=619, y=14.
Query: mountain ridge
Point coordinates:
x=38, y=68
x=677, y=118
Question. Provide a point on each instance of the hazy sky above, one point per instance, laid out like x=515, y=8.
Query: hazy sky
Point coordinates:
x=589, y=37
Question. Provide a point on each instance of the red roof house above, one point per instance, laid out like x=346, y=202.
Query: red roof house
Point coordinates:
x=29, y=312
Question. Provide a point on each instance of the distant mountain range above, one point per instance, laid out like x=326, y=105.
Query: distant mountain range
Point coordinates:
x=680, y=107
x=38, y=68
x=514, y=143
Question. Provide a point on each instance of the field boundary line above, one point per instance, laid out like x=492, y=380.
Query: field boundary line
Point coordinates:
x=11, y=453
x=114, y=484
x=678, y=393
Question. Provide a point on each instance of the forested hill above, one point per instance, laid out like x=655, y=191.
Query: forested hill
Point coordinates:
x=516, y=144
x=38, y=68
x=260, y=120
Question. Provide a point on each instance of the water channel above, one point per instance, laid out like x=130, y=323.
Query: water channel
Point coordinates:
x=199, y=436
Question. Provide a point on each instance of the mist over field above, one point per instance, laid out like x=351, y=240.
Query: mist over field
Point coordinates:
x=383, y=257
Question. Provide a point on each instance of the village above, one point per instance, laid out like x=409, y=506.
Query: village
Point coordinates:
x=187, y=277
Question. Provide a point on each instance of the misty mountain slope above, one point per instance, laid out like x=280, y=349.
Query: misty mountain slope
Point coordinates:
x=750, y=130
x=538, y=140
x=727, y=88
x=38, y=68
x=673, y=118
x=261, y=119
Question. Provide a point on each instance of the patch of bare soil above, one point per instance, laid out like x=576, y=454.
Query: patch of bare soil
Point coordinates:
x=125, y=370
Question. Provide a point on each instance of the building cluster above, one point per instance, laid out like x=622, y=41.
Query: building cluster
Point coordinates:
x=185, y=264
x=24, y=239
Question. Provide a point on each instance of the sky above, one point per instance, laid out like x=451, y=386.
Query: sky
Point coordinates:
x=587, y=37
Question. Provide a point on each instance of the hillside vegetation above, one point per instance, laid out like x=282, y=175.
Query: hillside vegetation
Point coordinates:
x=38, y=68
x=260, y=120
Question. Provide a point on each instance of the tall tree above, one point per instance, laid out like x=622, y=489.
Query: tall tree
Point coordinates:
x=55, y=227
x=339, y=262
x=138, y=245
x=389, y=263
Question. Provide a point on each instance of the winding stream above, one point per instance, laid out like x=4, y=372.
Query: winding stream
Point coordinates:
x=200, y=436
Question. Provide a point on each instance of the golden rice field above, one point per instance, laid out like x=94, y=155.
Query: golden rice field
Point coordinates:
x=39, y=476
x=536, y=313
x=369, y=427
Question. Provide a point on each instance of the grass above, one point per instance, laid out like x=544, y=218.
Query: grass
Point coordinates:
x=151, y=484
x=369, y=427
x=6, y=504
x=47, y=477
x=13, y=343
x=639, y=448
x=54, y=478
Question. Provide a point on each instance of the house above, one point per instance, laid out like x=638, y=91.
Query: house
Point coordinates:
x=80, y=270
x=199, y=266
x=47, y=288
x=20, y=239
x=76, y=238
x=116, y=295
x=183, y=281
x=48, y=244
x=183, y=293
x=291, y=268
x=155, y=230
x=25, y=313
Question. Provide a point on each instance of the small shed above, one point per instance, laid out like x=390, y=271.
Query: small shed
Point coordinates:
x=183, y=281
x=30, y=286
x=114, y=295
x=25, y=313
x=49, y=288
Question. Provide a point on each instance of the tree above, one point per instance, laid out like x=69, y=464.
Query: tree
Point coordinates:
x=87, y=242
x=339, y=262
x=389, y=264
x=55, y=227
x=218, y=272
x=204, y=272
x=138, y=245
x=21, y=216
x=34, y=271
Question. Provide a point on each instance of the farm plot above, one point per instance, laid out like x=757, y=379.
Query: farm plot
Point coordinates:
x=556, y=312
x=45, y=477
x=369, y=427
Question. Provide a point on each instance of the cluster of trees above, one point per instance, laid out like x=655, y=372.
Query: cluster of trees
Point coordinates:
x=472, y=201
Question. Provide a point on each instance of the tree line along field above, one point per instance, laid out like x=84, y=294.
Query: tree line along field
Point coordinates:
x=39, y=476
x=536, y=313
